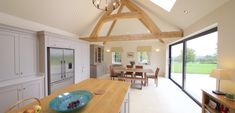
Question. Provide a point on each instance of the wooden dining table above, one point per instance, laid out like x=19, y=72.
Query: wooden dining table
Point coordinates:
x=123, y=70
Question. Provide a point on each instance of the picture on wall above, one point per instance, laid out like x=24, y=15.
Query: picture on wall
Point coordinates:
x=130, y=54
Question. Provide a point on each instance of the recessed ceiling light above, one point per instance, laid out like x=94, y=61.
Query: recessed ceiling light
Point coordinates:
x=186, y=11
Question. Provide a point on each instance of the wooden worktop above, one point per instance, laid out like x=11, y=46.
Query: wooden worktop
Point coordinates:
x=110, y=102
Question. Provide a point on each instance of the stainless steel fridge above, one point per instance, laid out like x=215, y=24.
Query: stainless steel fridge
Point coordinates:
x=60, y=68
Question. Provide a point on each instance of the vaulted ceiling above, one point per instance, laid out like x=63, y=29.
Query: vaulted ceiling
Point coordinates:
x=80, y=16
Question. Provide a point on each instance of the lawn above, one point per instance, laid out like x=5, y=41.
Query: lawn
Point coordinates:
x=193, y=68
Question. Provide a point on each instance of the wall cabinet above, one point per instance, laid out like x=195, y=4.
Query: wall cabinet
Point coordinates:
x=96, y=54
x=11, y=94
x=18, y=54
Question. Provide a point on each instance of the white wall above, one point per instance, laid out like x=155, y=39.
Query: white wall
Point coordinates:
x=157, y=58
x=224, y=17
x=30, y=25
x=82, y=48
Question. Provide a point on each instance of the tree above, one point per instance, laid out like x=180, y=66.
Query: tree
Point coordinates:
x=190, y=55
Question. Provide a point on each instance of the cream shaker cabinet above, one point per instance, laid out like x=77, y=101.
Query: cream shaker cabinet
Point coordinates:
x=9, y=95
x=9, y=50
x=18, y=54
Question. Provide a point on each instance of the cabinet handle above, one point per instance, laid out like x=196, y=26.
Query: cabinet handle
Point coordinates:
x=21, y=73
x=24, y=88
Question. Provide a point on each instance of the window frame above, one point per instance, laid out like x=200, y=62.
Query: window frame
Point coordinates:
x=212, y=30
x=114, y=58
x=148, y=60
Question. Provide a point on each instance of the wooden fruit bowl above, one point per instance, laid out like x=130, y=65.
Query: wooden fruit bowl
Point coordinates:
x=32, y=109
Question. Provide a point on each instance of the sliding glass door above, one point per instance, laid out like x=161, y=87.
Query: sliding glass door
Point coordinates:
x=201, y=59
x=191, y=62
x=177, y=64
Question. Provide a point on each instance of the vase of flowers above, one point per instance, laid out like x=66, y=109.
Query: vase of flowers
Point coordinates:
x=132, y=63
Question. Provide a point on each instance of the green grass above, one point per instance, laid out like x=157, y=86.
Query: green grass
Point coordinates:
x=193, y=68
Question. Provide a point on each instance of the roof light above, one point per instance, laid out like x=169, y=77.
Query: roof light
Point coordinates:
x=165, y=4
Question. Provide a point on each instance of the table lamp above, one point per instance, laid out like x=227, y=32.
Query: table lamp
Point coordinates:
x=219, y=74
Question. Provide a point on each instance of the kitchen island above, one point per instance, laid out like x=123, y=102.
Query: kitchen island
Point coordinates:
x=115, y=99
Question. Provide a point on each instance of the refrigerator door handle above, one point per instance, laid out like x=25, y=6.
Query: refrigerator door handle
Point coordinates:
x=65, y=69
x=61, y=62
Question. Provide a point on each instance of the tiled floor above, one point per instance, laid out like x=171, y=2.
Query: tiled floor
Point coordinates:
x=166, y=98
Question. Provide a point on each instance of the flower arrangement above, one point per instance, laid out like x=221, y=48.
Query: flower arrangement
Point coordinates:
x=132, y=63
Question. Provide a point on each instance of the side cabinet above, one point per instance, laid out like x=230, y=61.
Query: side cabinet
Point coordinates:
x=11, y=94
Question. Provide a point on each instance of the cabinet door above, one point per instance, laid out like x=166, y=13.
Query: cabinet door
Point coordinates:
x=9, y=67
x=8, y=97
x=28, y=55
x=32, y=89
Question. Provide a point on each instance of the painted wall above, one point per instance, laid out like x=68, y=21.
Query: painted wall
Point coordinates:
x=81, y=47
x=224, y=17
x=157, y=58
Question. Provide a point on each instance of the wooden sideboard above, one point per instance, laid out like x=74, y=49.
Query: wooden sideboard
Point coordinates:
x=211, y=103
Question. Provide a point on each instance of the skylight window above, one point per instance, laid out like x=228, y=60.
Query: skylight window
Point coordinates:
x=165, y=4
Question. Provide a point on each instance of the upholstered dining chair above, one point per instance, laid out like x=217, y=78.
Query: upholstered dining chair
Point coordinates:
x=155, y=76
x=138, y=73
x=113, y=74
x=129, y=73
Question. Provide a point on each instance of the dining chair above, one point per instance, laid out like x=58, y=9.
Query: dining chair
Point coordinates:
x=155, y=76
x=138, y=73
x=129, y=73
x=113, y=74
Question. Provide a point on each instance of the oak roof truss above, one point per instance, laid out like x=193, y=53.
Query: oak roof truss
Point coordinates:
x=135, y=12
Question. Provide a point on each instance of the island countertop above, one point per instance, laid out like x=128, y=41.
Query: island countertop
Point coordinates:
x=109, y=102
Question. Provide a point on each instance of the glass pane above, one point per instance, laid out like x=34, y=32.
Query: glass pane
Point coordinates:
x=201, y=59
x=177, y=63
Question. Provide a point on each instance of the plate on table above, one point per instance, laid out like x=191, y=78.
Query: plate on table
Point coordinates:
x=71, y=101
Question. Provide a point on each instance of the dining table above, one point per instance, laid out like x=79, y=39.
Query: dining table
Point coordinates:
x=122, y=70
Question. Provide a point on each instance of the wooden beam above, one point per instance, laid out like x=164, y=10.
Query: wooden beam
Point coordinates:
x=99, y=25
x=122, y=16
x=114, y=22
x=174, y=34
x=145, y=19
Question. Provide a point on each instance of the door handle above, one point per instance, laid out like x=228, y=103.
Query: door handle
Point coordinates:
x=61, y=64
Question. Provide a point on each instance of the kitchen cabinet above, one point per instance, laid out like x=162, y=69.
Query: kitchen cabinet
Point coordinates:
x=28, y=55
x=9, y=95
x=8, y=49
x=97, y=66
x=18, y=54
x=96, y=54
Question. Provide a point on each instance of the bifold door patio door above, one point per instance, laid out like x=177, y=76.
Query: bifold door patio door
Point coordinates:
x=191, y=62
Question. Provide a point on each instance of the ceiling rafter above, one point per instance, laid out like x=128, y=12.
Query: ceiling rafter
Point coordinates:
x=134, y=37
x=135, y=12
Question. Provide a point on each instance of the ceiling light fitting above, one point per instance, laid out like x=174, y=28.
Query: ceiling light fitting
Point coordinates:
x=106, y=5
